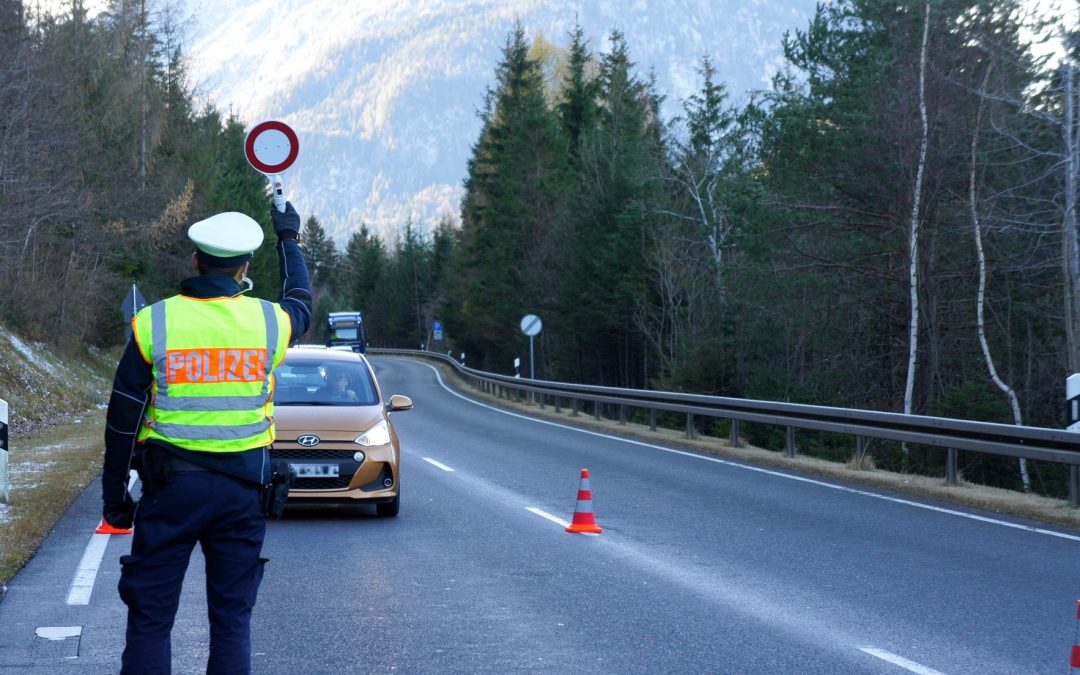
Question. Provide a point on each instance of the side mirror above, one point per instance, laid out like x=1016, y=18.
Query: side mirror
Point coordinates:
x=399, y=402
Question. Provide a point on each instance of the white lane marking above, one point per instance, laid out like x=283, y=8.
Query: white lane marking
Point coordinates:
x=58, y=632
x=548, y=516
x=83, y=583
x=438, y=464
x=900, y=661
x=778, y=474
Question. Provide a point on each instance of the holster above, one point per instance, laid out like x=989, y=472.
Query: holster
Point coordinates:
x=276, y=492
x=153, y=466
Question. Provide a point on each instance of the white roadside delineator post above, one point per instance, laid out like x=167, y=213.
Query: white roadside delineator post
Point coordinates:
x=1072, y=413
x=5, y=489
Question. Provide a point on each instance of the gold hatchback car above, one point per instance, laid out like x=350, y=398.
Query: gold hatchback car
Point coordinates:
x=335, y=430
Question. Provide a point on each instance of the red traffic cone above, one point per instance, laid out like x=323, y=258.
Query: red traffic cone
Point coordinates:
x=106, y=528
x=1074, y=661
x=584, y=521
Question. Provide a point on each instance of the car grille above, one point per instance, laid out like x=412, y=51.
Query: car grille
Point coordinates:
x=308, y=454
x=339, y=483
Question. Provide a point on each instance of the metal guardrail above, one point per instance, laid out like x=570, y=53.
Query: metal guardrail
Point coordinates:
x=1037, y=443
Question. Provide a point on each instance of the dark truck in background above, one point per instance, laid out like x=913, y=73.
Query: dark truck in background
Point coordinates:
x=346, y=328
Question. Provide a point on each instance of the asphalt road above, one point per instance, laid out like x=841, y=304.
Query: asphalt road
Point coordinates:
x=704, y=566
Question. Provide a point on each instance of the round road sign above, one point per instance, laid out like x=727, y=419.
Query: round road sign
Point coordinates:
x=271, y=147
x=531, y=325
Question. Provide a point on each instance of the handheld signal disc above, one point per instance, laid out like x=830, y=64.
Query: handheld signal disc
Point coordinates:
x=271, y=147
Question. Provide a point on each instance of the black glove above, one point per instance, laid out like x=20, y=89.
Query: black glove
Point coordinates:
x=121, y=515
x=287, y=223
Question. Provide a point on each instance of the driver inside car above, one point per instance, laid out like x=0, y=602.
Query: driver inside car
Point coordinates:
x=337, y=386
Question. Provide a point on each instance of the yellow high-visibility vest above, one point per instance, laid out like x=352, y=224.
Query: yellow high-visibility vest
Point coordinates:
x=213, y=361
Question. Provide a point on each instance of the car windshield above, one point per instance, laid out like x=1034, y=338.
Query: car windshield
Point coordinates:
x=315, y=382
x=345, y=333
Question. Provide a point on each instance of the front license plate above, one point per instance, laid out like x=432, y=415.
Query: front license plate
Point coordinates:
x=316, y=470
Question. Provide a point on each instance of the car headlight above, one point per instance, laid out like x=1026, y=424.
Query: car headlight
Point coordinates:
x=376, y=435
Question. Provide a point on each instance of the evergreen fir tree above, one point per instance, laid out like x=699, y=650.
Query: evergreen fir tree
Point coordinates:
x=510, y=213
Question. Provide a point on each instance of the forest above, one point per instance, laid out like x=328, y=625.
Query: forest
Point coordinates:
x=890, y=226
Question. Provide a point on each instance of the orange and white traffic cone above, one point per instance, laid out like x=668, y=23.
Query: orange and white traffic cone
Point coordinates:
x=584, y=521
x=1074, y=661
x=106, y=528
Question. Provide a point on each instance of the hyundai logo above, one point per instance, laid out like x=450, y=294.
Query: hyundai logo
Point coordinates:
x=308, y=440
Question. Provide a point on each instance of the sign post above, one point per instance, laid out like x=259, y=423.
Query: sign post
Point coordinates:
x=270, y=148
x=531, y=325
x=5, y=486
x=131, y=305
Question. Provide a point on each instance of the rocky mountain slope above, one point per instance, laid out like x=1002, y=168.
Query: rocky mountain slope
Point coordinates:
x=384, y=95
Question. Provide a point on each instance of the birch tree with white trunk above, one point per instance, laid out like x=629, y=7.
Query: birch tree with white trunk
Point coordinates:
x=913, y=243
x=980, y=313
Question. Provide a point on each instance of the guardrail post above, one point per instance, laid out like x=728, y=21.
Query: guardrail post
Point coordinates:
x=596, y=410
x=652, y=419
x=5, y=486
x=558, y=404
x=860, y=451
x=950, y=466
x=734, y=440
x=689, y=425
x=789, y=442
x=1074, y=485
x=622, y=415
x=576, y=405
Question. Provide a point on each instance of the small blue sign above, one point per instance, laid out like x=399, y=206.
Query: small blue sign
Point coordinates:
x=436, y=330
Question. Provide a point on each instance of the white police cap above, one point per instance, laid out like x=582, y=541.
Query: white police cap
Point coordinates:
x=227, y=234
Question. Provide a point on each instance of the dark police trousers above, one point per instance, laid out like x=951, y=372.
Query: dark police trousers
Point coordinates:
x=224, y=515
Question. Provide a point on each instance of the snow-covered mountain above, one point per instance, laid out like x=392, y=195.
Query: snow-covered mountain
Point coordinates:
x=384, y=93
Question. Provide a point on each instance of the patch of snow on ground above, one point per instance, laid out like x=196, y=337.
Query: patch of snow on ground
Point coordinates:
x=35, y=357
x=5, y=513
x=29, y=467
x=54, y=446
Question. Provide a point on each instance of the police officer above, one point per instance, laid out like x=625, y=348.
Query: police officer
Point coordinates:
x=191, y=409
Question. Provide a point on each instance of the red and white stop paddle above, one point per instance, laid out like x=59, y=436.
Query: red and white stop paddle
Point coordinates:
x=271, y=147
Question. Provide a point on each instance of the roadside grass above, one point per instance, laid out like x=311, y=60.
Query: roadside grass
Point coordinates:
x=855, y=472
x=49, y=468
x=56, y=423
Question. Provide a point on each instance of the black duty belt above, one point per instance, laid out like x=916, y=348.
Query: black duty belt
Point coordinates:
x=181, y=464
